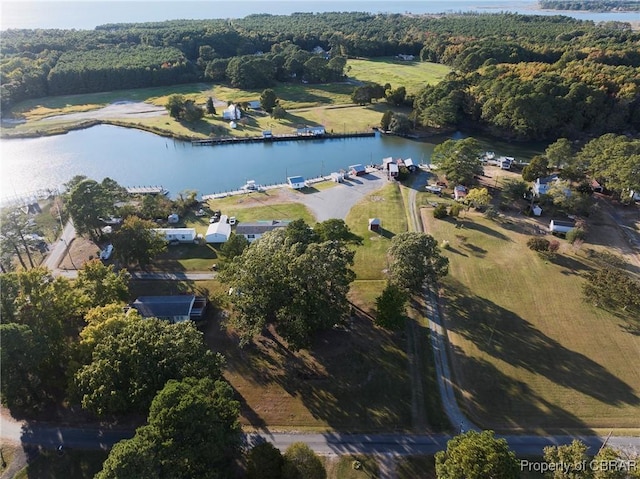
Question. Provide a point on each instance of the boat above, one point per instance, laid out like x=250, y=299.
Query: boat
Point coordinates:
x=250, y=186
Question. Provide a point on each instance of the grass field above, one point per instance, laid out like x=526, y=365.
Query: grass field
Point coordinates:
x=527, y=352
x=412, y=75
x=324, y=104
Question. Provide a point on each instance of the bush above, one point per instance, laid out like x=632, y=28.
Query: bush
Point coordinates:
x=538, y=244
x=455, y=209
x=575, y=234
x=554, y=246
x=440, y=211
x=491, y=213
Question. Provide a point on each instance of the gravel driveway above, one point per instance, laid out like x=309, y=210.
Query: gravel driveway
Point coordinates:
x=337, y=201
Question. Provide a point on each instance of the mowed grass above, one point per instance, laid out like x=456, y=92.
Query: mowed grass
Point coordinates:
x=386, y=204
x=527, y=351
x=348, y=380
x=411, y=75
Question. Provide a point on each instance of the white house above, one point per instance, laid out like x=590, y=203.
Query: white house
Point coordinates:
x=541, y=185
x=232, y=112
x=179, y=235
x=254, y=230
x=296, y=182
x=560, y=227
x=218, y=232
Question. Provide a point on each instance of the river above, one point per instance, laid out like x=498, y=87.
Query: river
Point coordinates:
x=137, y=158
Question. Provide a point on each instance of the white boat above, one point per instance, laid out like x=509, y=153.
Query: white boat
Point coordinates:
x=250, y=186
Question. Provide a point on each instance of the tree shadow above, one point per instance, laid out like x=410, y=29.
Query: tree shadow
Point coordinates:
x=494, y=400
x=470, y=224
x=506, y=336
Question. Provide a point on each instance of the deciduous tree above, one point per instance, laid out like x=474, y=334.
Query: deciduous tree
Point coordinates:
x=289, y=279
x=268, y=100
x=414, y=260
x=87, y=202
x=477, y=455
x=192, y=431
x=459, y=160
x=572, y=457
x=131, y=365
x=300, y=462
x=101, y=285
x=537, y=168
x=136, y=243
x=264, y=461
x=478, y=197
x=390, y=307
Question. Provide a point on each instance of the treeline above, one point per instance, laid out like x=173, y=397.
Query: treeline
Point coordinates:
x=591, y=5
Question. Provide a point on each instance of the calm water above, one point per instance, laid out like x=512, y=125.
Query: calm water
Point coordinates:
x=137, y=158
x=87, y=14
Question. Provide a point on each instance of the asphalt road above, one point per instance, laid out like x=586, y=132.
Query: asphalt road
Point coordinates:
x=51, y=437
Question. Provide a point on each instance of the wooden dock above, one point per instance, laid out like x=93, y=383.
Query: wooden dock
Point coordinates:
x=293, y=137
x=146, y=190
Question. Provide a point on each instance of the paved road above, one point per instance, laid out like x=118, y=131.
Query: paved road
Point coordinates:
x=328, y=443
x=60, y=248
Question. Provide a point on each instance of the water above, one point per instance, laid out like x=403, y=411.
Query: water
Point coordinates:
x=137, y=158
x=87, y=14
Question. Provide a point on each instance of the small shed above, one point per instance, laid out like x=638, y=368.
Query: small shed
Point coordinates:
x=393, y=170
x=536, y=210
x=173, y=218
x=233, y=125
x=296, y=182
x=218, y=232
x=410, y=164
x=460, y=193
x=560, y=227
x=357, y=170
x=375, y=224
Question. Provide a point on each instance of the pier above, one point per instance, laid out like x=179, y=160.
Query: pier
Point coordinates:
x=284, y=137
x=146, y=190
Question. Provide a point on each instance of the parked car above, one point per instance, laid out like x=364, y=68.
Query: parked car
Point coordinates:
x=232, y=220
x=105, y=254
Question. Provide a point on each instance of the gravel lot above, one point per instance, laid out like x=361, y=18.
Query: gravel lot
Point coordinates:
x=122, y=109
x=337, y=201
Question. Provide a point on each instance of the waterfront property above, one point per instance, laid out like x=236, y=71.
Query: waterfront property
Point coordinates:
x=219, y=231
x=296, y=182
x=541, y=185
x=175, y=309
x=177, y=235
x=357, y=170
x=254, y=230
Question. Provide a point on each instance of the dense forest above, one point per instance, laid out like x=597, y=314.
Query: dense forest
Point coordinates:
x=593, y=5
x=520, y=76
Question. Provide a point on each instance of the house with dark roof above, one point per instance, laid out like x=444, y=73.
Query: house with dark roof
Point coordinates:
x=541, y=185
x=357, y=170
x=254, y=230
x=561, y=227
x=175, y=309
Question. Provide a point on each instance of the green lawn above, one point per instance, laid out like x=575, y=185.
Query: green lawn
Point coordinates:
x=386, y=204
x=412, y=75
x=527, y=351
